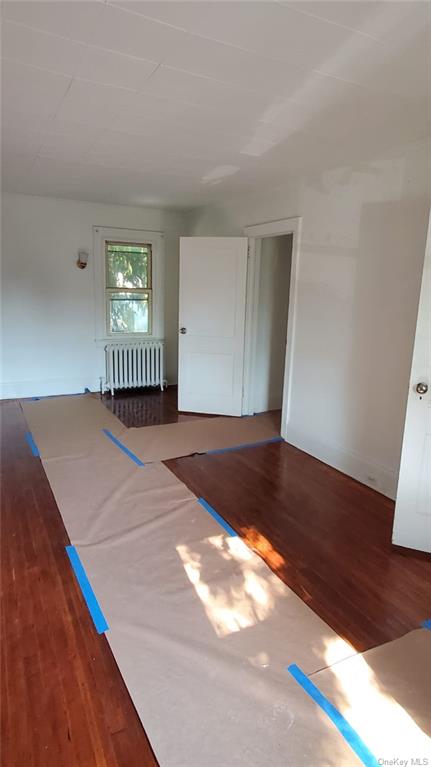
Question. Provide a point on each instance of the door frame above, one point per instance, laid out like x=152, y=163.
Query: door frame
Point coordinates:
x=256, y=233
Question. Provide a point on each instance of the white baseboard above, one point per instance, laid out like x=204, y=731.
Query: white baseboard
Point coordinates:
x=380, y=478
x=52, y=387
x=47, y=388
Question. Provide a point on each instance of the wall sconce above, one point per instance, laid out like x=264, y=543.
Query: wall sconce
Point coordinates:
x=82, y=259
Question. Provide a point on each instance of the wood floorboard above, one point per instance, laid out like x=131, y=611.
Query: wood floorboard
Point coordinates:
x=327, y=536
x=63, y=700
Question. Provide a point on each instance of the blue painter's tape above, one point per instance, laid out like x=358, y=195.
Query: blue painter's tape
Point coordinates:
x=99, y=619
x=87, y=390
x=345, y=729
x=217, y=517
x=122, y=447
x=247, y=444
x=32, y=444
x=427, y=624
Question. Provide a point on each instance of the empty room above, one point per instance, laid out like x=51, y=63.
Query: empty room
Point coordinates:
x=215, y=383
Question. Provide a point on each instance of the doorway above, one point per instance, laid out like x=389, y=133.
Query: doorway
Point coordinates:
x=273, y=263
x=225, y=345
x=270, y=316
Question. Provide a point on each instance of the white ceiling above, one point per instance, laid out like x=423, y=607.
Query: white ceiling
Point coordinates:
x=180, y=103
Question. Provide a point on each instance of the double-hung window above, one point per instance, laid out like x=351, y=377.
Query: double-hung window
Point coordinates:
x=128, y=292
x=129, y=271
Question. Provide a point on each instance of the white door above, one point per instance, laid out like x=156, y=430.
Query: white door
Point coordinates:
x=213, y=274
x=412, y=524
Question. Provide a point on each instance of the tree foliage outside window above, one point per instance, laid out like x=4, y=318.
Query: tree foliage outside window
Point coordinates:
x=128, y=287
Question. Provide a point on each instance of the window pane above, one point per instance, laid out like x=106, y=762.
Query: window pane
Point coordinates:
x=127, y=266
x=129, y=313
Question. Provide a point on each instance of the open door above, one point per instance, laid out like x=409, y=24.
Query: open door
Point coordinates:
x=212, y=297
x=412, y=524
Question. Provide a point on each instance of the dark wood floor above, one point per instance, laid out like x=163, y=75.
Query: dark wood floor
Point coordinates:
x=146, y=408
x=63, y=700
x=328, y=537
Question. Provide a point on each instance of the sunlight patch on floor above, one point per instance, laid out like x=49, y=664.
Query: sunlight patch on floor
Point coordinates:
x=263, y=547
x=248, y=600
x=384, y=725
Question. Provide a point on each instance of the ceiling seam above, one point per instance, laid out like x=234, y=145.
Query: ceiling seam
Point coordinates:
x=89, y=45
x=328, y=21
x=130, y=11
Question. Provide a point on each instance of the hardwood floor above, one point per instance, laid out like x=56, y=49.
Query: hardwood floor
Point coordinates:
x=145, y=408
x=328, y=537
x=63, y=700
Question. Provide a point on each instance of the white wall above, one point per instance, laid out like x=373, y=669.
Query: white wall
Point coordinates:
x=272, y=310
x=48, y=314
x=363, y=244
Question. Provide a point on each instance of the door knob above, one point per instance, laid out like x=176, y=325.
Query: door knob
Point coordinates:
x=183, y=330
x=422, y=388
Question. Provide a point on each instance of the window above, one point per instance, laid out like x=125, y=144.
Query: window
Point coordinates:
x=128, y=270
x=129, y=277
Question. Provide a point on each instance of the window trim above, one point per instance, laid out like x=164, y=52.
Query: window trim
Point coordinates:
x=101, y=235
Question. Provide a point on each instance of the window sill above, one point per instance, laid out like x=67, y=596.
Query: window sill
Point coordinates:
x=101, y=342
